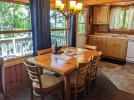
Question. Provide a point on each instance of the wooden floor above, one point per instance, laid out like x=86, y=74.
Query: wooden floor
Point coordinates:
x=103, y=89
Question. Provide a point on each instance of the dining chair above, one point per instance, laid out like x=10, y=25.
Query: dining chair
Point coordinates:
x=45, y=51
x=41, y=83
x=94, y=66
x=78, y=78
x=1, y=86
x=90, y=47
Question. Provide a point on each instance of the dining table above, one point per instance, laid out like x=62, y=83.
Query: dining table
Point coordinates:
x=64, y=63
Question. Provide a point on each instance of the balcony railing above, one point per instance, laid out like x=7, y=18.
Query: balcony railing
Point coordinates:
x=15, y=47
x=22, y=46
x=60, y=37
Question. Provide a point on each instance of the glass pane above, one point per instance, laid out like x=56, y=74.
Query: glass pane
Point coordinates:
x=57, y=20
x=117, y=18
x=14, y=16
x=60, y=37
x=15, y=45
x=81, y=23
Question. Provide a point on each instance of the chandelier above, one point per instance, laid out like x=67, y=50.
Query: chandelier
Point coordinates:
x=68, y=8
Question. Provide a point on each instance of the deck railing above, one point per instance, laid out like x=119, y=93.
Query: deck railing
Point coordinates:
x=60, y=37
x=16, y=47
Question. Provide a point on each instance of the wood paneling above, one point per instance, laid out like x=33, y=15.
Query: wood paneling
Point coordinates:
x=15, y=77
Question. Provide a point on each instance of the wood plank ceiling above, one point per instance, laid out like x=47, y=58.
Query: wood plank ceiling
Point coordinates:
x=86, y=2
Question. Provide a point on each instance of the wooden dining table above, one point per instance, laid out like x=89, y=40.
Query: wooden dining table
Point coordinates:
x=63, y=63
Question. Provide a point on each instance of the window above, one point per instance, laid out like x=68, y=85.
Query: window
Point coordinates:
x=15, y=30
x=81, y=23
x=122, y=18
x=58, y=28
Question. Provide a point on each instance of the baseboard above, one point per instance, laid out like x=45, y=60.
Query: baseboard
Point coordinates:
x=113, y=60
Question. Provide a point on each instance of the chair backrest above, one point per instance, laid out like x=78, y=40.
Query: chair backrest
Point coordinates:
x=33, y=73
x=81, y=72
x=91, y=47
x=44, y=51
x=96, y=59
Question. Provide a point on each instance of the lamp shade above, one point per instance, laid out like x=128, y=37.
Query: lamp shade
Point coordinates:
x=79, y=6
x=58, y=4
x=72, y=5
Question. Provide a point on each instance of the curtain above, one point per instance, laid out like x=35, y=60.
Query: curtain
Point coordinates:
x=116, y=20
x=129, y=24
x=40, y=19
x=72, y=35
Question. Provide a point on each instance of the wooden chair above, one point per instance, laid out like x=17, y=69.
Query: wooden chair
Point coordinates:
x=78, y=78
x=1, y=86
x=41, y=84
x=90, y=47
x=94, y=66
x=45, y=51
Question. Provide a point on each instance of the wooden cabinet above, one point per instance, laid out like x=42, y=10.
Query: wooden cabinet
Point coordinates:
x=15, y=77
x=101, y=15
x=117, y=48
x=112, y=47
x=93, y=40
x=101, y=45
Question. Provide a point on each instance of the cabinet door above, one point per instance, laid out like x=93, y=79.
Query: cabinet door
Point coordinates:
x=93, y=40
x=104, y=15
x=101, y=15
x=117, y=48
x=101, y=44
x=96, y=15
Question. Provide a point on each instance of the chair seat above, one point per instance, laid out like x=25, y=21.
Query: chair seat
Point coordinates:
x=48, y=71
x=72, y=80
x=48, y=81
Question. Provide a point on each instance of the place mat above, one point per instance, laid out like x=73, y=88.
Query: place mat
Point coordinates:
x=63, y=57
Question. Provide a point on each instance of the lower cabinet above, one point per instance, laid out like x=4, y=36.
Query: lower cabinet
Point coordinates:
x=15, y=77
x=112, y=47
x=117, y=48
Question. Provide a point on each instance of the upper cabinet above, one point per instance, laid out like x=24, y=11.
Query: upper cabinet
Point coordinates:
x=101, y=15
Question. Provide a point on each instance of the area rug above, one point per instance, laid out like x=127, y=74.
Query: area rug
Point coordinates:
x=121, y=75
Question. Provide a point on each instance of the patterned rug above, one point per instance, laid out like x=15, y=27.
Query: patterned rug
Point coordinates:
x=121, y=75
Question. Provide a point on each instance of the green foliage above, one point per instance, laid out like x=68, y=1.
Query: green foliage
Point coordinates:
x=14, y=16
x=57, y=20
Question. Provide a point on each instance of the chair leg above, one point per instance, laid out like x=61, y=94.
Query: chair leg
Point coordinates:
x=42, y=97
x=75, y=98
x=31, y=93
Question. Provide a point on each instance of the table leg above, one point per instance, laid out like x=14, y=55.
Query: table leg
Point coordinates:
x=67, y=87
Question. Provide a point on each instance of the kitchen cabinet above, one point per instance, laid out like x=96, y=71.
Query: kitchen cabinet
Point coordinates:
x=101, y=15
x=101, y=45
x=116, y=48
x=93, y=40
x=112, y=47
x=15, y=77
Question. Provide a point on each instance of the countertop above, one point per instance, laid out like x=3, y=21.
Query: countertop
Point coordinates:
x=118, y=36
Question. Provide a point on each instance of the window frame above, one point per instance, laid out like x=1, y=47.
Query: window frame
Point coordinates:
x=61, y=29
x=15, y=31
x=77, y=23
